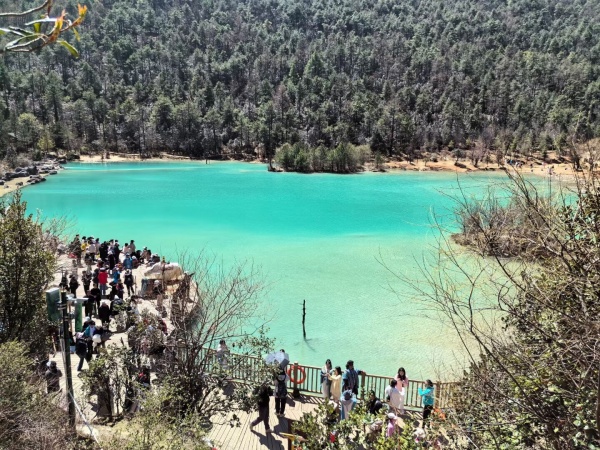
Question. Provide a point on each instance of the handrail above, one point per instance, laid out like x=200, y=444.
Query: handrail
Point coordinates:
x=241, y=368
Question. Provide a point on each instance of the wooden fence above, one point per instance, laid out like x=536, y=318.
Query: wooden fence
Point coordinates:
x=247, y=368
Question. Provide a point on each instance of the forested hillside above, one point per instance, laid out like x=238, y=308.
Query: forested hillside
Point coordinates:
x=403, y=76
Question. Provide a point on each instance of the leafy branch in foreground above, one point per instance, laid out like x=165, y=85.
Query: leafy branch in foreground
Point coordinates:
x=43, y=31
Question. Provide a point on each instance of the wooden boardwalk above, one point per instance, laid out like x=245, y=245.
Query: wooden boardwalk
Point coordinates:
x=226, y=437
x=222, y=435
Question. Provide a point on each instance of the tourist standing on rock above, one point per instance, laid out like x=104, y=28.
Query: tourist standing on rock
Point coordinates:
x=350, y=378
x=52, y=376
x=402, y=386
x=325, y=381
x=263, y=394
x=428, y=398
x=336, y=384
x=280, y=392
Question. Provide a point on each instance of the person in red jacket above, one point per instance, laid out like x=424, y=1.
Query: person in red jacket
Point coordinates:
x=103, y=280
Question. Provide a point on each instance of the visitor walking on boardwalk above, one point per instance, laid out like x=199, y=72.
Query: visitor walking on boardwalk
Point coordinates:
x=280, y=392
x=402, y=386
x=336, y=384
x=350, y=378
x=52, y=376
x=262, y=394
x=427, y=394
x=82, y=350
x=223, y=354
x=325, y=381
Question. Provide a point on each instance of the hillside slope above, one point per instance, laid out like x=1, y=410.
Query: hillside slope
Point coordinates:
x=195, y=76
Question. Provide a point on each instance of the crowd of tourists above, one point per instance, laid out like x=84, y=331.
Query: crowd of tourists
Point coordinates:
x=109, y=288
x=340, y=388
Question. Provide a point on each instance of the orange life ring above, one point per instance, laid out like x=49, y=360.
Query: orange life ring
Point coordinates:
x=302, y=375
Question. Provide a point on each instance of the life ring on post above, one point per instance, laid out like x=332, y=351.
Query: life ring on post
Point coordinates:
x=302, y=374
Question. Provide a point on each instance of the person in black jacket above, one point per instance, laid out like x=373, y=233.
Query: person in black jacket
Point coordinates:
x=263, y=394
x=82, y=350
x=73, y=285
x=129, y=282
x=86, y=279
x=104, y=314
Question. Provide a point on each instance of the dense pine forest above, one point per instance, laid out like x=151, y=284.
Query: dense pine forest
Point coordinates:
x=204, y=77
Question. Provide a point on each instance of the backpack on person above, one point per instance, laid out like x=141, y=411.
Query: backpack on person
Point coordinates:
x=281, y=388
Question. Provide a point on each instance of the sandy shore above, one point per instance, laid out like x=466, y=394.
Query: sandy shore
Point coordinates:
x=535, y=168
x=124, y=157
x=563, y=170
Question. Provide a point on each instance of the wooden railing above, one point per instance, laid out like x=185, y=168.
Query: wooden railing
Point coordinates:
x=246, y=368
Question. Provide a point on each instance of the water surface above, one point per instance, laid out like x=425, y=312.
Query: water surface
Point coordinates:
x=316, y=237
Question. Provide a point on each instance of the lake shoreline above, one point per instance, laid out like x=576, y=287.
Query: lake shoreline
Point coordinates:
x=389, y=167
x=561, y=171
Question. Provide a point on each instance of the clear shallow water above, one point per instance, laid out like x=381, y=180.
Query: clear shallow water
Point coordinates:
x=316, y=237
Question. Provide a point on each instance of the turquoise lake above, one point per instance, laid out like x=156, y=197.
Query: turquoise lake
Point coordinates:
x=316, y=237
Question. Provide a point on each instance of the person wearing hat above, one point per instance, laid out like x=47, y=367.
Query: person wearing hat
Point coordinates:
x=128, y=262
x=52, y=376
x=81, y=350
x=129, y=282
x=348, y=402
